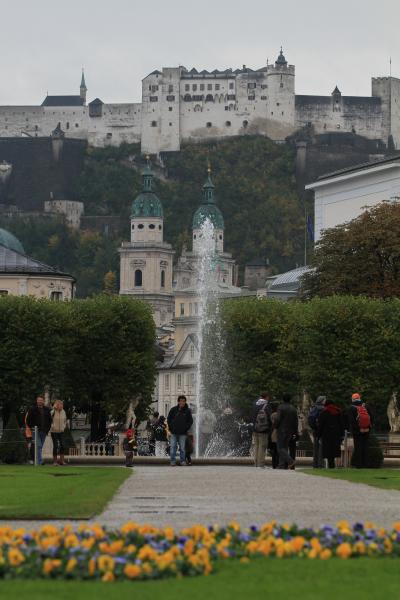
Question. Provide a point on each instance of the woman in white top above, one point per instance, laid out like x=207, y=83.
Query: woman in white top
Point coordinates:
x=59, y=424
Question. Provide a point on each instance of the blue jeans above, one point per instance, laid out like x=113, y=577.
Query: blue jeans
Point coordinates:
x=175, y=439
x=40, y=443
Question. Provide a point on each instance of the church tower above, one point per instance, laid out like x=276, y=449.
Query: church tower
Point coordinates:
x=146, y=261
x=208, y=209
x=83, y=88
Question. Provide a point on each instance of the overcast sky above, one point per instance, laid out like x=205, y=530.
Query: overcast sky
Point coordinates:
x=44, y=43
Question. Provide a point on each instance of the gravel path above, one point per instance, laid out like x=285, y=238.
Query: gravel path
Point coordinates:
x=214, y=494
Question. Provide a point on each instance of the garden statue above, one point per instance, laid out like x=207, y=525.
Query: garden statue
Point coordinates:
x=393, y=414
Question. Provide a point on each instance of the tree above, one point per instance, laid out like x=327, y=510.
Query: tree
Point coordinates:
x=361, y=258
x=110, y=283
x=13, y=447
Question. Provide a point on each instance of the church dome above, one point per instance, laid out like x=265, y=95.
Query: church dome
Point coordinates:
x=9, y=240
x=147, y=203
x=208, y=208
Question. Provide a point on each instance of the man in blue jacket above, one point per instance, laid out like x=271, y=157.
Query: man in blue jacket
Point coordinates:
x=179, y=421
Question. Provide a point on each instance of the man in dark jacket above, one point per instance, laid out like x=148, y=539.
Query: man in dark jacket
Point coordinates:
x=179, y=421
x=330, y=431
x=313, y=422
x=261, y=428
x=358, y=412
x=287, y=424
x=39, y=416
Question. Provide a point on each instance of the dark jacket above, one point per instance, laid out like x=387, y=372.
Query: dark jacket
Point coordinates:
x=352, y=417
x=41, y=421
x=331, y=430
x=160, y=430
x=128, y=444
x=180, y=421
x=287, y=421
x=256, y=409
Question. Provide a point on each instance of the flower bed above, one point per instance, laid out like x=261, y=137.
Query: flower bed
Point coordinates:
x=145, y=552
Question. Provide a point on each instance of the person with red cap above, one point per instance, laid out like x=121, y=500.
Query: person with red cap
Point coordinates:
x=360, y=423
x=127, y=447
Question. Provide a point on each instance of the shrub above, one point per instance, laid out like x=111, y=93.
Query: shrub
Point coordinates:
x=13, y=446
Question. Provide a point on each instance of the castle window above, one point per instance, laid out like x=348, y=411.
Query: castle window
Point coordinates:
x=209, y=124
x=179, y=381
x=76, y=124
x=278, y=104
x=264, y=86
x=187, y=98
x=67, y=125
x=228, y=123
x=133, y=226
x=226, y=107
x=251, y=86
x=166, y=382
x=170, y=108
x=272, y=113
x=198, y=98
x=231, y=97
x=192, y=351
x=282, y=113
x=194, y=237
x=202, y=87
x=154, y=88
x=245, y=123
x=159, y=227
x=56, y=296
x=187, y=87
x=170, y=98
x=170, y=124
x=162, y=278
x=231, y=85
x=209, y=98
x=152, y=226
x=140, y=226
x=263, y=97
x=196, y=308
x=153, y=98
x=109, y=136
x=138, y=278
x=194, y=87
x=281, y=85
x=190, y=309
x=251, y=97
x=217, y=86
x=170, y=89
x=154, y=123
x=182, y=309
x=220, y=237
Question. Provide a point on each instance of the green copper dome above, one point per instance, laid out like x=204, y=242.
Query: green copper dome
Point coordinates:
x=208, y=208
x=147, y=203
x=9, y=240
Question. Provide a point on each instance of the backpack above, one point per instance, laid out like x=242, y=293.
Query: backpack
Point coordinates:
x=262, y=420
x=363, y=419
x=313, y=417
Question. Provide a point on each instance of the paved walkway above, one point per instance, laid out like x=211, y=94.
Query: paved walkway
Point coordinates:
x=182, y=496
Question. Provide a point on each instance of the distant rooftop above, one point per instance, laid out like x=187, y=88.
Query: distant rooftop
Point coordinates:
x=13, y=261
x=361, y=167
x=63, y=101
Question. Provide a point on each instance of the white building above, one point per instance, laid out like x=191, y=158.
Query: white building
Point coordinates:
x=343, y=195
x=180, y=105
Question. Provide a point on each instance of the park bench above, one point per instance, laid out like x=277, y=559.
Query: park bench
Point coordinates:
x=390, y=449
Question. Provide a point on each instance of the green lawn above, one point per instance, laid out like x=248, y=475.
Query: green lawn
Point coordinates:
x=57, y=492
x=270, y=578
x=381, y=478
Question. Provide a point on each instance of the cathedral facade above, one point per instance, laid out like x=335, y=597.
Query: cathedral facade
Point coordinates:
x=180, y=105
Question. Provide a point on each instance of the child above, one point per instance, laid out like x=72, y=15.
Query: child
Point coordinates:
x=127, y=446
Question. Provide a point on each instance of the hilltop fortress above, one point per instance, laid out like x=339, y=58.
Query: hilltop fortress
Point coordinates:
x=190, y=106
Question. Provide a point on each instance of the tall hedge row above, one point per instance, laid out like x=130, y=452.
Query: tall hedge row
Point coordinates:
x=331, y=346
x=98, y=354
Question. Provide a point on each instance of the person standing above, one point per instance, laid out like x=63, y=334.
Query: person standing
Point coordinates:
x=273, y=436
x=330, y=431
x=39, y=416
x=127, y=447
x=179, y=421
x=261, y=427
x=360, y=423
x=313, y=422
x=287, y=423
x=58, y=426
x=160, y=434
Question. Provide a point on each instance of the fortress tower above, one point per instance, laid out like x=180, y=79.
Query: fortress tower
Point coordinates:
x=83, y=88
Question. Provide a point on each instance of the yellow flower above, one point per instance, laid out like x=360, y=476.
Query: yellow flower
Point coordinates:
x=316, y=544
x=50, y=564
x=71, y=541
x=325, y=554
x=147, y=569
x=48, y=530
x=359, y=547
x=130, y=549
x=128, y=528
x=396, y=526
x=388, y=546
x=91, y=567
x=344, y=550
x=169, y=533
x=97, y=531
x=105, y=563
x=50, y=541
x=188, y=548
x=132, y=571
x=15, y=557
x=297, y=543
x=88, y=543
x=71, y=564
x=312, y=553
x=235, y=526
x=108, y=577
x=147, y=553
x=245, y=560
x=113, y=548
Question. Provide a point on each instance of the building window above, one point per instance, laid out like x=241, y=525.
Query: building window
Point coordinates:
x=251, y=97
x=3, y=292
x=187, y=98
x=231, y=97
x=264, y=86
x=109, y=136
x=179, y=381
x=159, y=227
x=202, y=86
x=170, y=108
x=162, y=278
x=138, y=278
x=251, y=86
x=263, y=97
x=56, y=296
x=67, y=125
x=245, y=124
x=194, y=87
x=133, y=226
x=193, y=380
x=154, y=88
x=209, y=98
x=228, y=123
x=192, y=351
x=187, y=87
x=140, y=226
x=170, y=89
x=76, y=124
x=190, y=308
x=226, y=107
x=281, y=85
x=196, y=308
x=231, y=85
x=209, y=86
x=153, y=98
x=209, y=124
x=170, y=98
x=182, y=309
x=166, y=382
x=217, y=86
x=154, y=123
x=152, y=226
